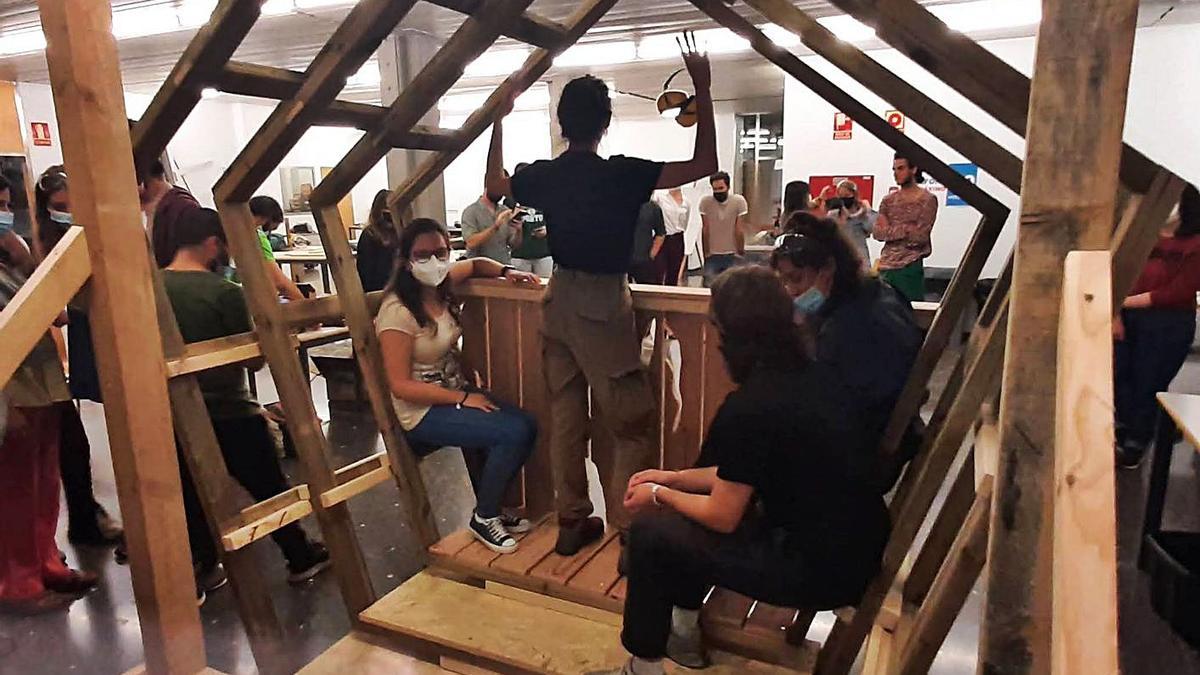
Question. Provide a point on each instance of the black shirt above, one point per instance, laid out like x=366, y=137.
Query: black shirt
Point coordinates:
x=591, y=206
x=649, y=225
x=792, y=435
x=375, y=261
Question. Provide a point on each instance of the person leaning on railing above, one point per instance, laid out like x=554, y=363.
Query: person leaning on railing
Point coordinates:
x=783, y=441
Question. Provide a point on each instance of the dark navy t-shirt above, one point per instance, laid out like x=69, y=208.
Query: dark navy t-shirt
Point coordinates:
x=591, y=206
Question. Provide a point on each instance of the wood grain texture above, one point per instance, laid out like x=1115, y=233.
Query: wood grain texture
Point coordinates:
x=1084, y=636
x=364, y=654
x=937, y=544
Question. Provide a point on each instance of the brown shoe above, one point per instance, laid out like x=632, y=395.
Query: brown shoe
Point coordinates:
x=574, y=536
x=77, y=583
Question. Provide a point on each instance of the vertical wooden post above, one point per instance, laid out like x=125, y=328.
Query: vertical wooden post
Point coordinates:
x=1084, y=635
x=82, y=56
x=1076, y=113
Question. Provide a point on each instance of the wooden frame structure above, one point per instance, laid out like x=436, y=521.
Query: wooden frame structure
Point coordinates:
x=932, y=586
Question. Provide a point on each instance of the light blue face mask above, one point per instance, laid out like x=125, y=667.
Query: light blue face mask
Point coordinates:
x=6, y=222
x=62, y=217
x=809, y=302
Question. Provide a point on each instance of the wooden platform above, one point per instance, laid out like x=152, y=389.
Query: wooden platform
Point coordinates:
x=731, y=622
x=475, y=630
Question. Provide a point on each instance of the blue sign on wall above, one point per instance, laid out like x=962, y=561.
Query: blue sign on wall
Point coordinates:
x=971, y=172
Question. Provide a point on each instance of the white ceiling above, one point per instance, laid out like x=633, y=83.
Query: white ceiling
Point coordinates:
x=292, y=40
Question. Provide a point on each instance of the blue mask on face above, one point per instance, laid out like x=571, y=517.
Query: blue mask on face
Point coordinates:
x=61, y=217
x=6, y=222
x=809, y=302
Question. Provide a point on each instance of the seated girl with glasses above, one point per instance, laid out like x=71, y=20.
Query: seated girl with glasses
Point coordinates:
x=418, y=333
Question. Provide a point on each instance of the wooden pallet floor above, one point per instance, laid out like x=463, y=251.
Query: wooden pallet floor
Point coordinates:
x=731, y=622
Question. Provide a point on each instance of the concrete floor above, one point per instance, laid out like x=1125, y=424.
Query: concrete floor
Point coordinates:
x=100, y=634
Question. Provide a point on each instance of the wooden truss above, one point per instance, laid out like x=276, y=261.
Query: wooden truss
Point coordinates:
x=939, y=575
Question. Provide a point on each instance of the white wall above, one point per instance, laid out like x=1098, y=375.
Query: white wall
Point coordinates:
x=1163, y=131
x=526, y=139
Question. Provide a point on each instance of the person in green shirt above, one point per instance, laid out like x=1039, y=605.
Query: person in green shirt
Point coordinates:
x=268, y=216
x=532, y=253
x=208, y=306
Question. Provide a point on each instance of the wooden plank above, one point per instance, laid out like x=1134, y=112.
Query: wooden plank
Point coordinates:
x=982, y=77
x=504, y=341
x=952, y=588
x=81, y=54
x=325, y=308
x=941, y=536
x=528, y=28
x=599, y=575
x=943, y=124
x=303, y=424
x=550, y=602
x=726, y=609
x=437, y=76
x=452, y=544
x=534, y=67
x=535, y=399
x=352, y=43
x=619, y=590
x=770, y=621
x=211, y=46
x=25, y=320
x=1139, y=228
x=207, y=354
x=559, y=569
x=357, y=478
x=656, y=374
x=1080, y=86
x=290, y=507
x=476, y=340
x=365, y=654
x=682, y=446
x=533, y=549
x=1084, y=634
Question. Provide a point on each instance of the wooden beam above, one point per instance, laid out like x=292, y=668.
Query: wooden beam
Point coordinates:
x=1138, y=230
x=1084, y=634
x=528, y=28
x=81, y=53
x=357, y=478
x=940, y=539
x=360, y=320
x=358, y=36
x=943, y=124
x=212, y=46
x=1077, y=108
x=303, y=424
x=951, y=589
x=260, y=520
x=437, y=76
x=861, y=114
x=38, y=303
x=982, y=77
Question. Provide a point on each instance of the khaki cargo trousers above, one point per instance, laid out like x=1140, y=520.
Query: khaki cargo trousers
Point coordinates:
x=590, y=342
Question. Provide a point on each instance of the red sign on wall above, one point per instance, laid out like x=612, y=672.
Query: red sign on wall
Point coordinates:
x=843, y=127
x=896, y=119
x=41, y=133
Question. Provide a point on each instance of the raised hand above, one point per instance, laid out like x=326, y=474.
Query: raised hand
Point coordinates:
x=696, y=61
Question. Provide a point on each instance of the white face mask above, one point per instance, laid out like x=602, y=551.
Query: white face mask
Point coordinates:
x=61, y=217
x=431, y=272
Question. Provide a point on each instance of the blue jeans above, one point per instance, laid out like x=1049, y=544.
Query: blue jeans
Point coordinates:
x=506, y=436
x=717, y=263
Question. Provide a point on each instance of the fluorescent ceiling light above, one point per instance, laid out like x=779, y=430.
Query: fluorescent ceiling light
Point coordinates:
x=22, y=42
x=536, y=97
x=847, y=28
x=277, y=7
x=598, y=54
x=990, y=14
x=142, y=21
x=712, y=40
x=499, y=62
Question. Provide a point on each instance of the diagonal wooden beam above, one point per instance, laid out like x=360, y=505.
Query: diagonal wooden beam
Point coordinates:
x=358, y=36
x=211, y=47
x=1139, y=228
x=982, y=77
x=943, y=124
x=528, y=28
x=419, y=96
x=861, y=114
x=251, y=79
x=533, y=68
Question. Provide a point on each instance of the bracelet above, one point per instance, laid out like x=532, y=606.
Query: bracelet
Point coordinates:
x=459, y=405
x=505, y=270
x=654, y=488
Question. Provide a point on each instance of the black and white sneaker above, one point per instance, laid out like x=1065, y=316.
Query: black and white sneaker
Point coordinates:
x=515, y=524
x=311, y=565
x=491, y=533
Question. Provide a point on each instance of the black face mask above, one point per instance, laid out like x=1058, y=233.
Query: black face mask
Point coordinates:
x=720, y=196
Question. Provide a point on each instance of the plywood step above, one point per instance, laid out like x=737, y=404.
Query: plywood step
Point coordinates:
x=449, y=619
x=364, y=654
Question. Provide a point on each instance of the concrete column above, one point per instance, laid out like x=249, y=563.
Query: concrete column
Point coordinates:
x=401, y=57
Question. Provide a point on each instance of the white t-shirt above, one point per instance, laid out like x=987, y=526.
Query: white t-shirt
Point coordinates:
x=435, y=358
x=722, y=235
x=675, y=216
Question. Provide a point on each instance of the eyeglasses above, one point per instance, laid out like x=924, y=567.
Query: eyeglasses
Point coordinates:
x=426, y=256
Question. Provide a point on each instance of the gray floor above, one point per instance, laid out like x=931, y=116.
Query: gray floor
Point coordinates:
x=100, y=633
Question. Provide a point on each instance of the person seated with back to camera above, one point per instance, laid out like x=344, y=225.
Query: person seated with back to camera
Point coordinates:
x=774, y=510
x=865, y=329
x=418, y=333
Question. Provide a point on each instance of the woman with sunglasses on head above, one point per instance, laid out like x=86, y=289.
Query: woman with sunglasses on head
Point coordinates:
x=775, y=509
x=864, y=328
x=418, y=333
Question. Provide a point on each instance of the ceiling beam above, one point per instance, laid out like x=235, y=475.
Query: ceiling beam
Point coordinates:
x=528, y=28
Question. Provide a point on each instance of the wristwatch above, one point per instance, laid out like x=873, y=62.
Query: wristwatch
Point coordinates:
x=654, y=488
x=504, y=271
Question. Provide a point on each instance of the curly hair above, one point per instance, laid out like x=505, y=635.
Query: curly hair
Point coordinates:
x=405, y=285
x=584, y=109
x=753, y=314
x=826, y=243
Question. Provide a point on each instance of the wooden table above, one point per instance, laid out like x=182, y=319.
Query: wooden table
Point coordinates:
x=308, y=255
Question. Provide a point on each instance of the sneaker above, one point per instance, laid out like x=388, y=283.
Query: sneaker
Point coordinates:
x=211, y=579
x=491, y=533
x=515, y=524
x=573, y=537
x=74, y=583
x=314, y=563
x=688, y=650
x=1130, y=454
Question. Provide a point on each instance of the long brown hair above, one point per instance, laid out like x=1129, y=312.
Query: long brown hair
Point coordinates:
x=753, y=313
x=828, y=244
x=380, y=224
x=405, y=285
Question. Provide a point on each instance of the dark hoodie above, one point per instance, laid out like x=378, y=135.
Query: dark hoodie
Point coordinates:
x=1172, y=274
